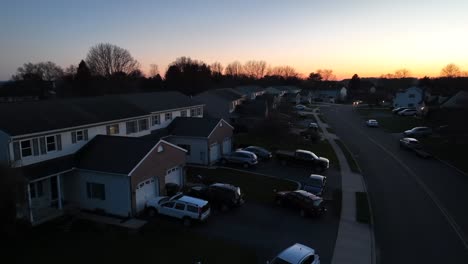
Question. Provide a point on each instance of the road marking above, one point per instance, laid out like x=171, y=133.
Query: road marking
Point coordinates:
x=421, y=184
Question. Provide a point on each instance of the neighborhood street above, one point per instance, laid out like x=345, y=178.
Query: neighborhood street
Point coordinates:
x=419, y=205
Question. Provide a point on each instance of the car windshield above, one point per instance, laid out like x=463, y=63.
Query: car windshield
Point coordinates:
x=163, y=200
x=279, y=260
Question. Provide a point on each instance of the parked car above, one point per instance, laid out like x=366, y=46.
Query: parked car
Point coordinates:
x=220, y=195
x=372, y=123
x=306, y=202
x=414, y=145
x=180, y=206
x=313, y=125
x=408, y=112
x=302, y=157
x=297, y=254
x=300, y=107
x=260, y=152
x=242, y=157
x=316, y=184
x=418, y=132
x=398, y=109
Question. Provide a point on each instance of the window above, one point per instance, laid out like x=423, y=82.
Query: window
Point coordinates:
x=26, y=148
x=79, y=135
x=411, y=96
x=193, y=112
x=168, y=116
x=180, y=206
x=186, y=147
x=155, y=120
x=36, y=190
x=131, y=127
x=192, y=209
x=168, y=205
x=199, y=111
x=112, y=129
x=142, y=124
x=95, y=191
x=183, y=113
x=51, y=144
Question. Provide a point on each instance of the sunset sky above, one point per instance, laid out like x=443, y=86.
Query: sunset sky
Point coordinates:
x=366, y=37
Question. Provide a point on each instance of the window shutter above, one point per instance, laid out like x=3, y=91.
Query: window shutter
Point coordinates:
x=128, y=127
x=42, y=145
x=73, y=134
x=16, y=151
x=35, y=147
x=59, y=142
x=85, y=132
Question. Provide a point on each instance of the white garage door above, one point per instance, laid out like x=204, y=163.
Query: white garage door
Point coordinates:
x=227, y=146
x=144, y=191
x=174, y=175
x=214, y=152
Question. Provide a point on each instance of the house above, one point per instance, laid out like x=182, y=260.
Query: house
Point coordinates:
x=326, y=94
x=205, y=139
x=42, y=140
x=276, y=91
x=306, y=96
x=250, y=92
x=457, y=101
x=220, y=103
x=411, y=97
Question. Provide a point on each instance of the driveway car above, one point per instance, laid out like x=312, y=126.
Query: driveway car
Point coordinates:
x=220, y=195
x=313, y=125
x=260, y=152
x=180, y=206
x=398, y=109
x=297, y=254
x=418, y=132
x=316, y=184
x=306, y=202
x=372, y=123
x=242, y=157
x=300, y=107
x=303, y=157
x=414, y=145
x=408, y=112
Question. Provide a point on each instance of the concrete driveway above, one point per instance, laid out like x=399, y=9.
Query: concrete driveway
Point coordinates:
x=419, y=205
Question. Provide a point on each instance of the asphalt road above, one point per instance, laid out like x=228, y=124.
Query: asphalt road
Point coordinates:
x=420, y=206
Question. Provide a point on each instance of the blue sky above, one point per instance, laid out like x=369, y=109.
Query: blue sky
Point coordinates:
x=365, y=37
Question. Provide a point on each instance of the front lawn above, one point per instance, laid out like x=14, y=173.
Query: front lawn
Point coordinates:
x=349, y=158
x=450, y=149
x=389, y=121
x=255, y=187
x=162, y=241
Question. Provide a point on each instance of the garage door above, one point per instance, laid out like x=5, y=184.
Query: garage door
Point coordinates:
x=214, y=153
x=227, y=146
x=145, y=190
x=174, y=175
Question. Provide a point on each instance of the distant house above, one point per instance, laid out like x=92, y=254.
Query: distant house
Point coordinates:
x=277, y=91
x=457, y=101
x=326, y=94
x=306, y=96
x=411, y=97
x=220, y=103
x=250, y=92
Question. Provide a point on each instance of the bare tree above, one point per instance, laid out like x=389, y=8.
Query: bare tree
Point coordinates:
x=327, y=74
x=255, y=69
x=44, y=71
x=283, y=71
x=451, y=71
x=402, y=73
x=234, y=69
x=106, y=59
x=153, y=70
x=217, y=68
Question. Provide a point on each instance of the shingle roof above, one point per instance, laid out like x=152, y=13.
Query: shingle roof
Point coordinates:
x=113, y=154
x=192, y=127
x=225, y=93
x=46, y=168
x=245, y=90
x=159, y=101
x=31, y=117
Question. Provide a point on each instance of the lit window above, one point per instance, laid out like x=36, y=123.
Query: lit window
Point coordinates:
x=112, y=129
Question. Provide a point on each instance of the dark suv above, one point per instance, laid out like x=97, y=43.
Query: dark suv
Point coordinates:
x=307, y=203
x=220, y=195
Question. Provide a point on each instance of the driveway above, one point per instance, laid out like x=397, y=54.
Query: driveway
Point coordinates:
x=419, y=205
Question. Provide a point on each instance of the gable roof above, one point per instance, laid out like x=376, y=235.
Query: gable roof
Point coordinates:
x=159, y=101
x=228, y=94
x=32, y=117
x=458, y=100
x=113, y=154
x=194, y=127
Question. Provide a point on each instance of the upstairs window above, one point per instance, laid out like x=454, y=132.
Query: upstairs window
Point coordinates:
x=155, y=120
x=26, y=148
x=79, y=135
x=183, y=113
x=168, y=116
x=51, y=144
x=131, y=127
x=143, y=124
x=112, y=129
x=199, y=111
x=193, y=112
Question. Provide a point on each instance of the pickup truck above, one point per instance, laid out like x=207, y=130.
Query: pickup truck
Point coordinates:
x=304, y=158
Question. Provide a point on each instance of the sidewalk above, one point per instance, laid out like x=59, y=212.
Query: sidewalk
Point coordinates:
x=355, y=241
